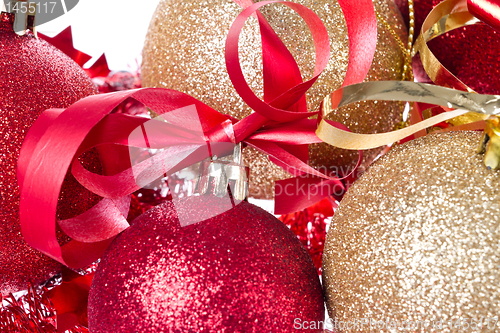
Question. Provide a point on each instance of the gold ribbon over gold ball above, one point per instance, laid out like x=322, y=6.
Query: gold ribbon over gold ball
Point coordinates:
x=450, y=93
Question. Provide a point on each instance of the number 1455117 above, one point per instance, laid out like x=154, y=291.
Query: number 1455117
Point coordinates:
x=31, y=8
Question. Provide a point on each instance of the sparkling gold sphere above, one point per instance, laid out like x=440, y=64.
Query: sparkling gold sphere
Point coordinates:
x=416, y=241
x=184, y=50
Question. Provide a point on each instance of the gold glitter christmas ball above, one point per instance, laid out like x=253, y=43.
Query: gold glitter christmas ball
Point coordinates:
x=415, y=242
x=184, y=50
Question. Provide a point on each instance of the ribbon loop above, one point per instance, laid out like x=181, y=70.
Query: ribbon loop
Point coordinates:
x=447, y=16
x=399, y=91
x=322, y=46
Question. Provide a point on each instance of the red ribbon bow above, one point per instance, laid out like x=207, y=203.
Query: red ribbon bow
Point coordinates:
x=279, y=128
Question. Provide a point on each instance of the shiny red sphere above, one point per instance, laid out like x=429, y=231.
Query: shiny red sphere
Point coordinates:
x=34, y=76
x=241, y=271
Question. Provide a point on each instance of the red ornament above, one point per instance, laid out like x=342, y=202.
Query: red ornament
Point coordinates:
x=34, y=76
x=241, y=271
x=470, y=53
x=309, y=225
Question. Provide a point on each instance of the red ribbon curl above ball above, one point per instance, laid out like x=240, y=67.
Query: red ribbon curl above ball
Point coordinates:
x=279, y=128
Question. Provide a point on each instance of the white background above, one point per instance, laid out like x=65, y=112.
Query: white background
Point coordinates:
x=114, y=27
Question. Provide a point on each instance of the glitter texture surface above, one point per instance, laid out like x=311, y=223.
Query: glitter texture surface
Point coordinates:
x=184, y=50
x=34, y=76
x=470, y=53
x=241, y=271
x=417, y=239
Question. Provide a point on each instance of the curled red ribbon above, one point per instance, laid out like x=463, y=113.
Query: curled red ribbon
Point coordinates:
x=279, y=128
x=487, y=11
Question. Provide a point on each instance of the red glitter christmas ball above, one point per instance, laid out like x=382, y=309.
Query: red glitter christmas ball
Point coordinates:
x=240, y=271
x=470, y=53
x=34, y=76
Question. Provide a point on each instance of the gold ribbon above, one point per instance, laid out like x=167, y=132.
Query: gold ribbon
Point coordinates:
x=447, y=16
x=462, y=101
x=450, y=92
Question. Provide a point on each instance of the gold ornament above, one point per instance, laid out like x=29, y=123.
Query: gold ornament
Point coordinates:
x=416, y=241
x=184, y=50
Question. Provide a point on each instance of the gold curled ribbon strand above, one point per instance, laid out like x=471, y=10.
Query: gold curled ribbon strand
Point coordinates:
x=447, y=16
x=462, y=101
x=355, y=141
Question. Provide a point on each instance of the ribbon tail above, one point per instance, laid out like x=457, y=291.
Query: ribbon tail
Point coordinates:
x=103, y=221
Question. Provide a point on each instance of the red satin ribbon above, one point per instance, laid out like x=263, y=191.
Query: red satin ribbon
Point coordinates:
x=362, y=30
x=487, y=11
x=279, y=127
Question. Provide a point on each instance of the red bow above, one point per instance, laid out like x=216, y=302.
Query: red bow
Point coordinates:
x=279, y=128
